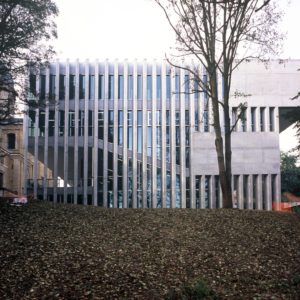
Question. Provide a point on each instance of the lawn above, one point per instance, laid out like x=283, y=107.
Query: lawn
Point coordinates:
x=60, y=251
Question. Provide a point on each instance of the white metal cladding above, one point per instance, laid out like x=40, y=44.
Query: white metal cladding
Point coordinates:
x=138, y=135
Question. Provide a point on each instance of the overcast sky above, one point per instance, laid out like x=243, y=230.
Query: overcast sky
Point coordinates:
x=137, y=29
x=134, y=29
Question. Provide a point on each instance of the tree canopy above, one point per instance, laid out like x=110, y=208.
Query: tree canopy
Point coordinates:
x=290, y=173
x=26, y=27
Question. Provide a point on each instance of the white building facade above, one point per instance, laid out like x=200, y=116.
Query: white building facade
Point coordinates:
x=135, y=135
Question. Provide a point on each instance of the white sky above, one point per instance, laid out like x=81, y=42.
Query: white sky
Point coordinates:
x=138, y=29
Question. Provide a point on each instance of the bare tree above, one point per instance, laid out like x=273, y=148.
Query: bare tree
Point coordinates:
x=26, y=26
x=219, y=35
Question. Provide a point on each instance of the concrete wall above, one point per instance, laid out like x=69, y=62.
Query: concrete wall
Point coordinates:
x=252, y=153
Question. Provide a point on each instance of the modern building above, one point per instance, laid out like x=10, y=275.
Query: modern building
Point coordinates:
x=129, y=134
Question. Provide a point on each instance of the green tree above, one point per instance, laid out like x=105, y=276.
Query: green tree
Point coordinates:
x=220, y=35
x=290, y=173
x=26, y=28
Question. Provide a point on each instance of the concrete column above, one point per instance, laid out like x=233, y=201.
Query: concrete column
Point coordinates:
x=202, y=191
x=96, y=142
x=144, y=151
x=250, y=192
x=76, y=132
x=115, y=138
x=45, y=181
x=267, y=119
x=241, y=192
x=192, y=130
x=105, y=133
x=212, y=194
x=220, y=195
x=154, y=137
x=163, y=135
x=56, y=121
x=259, y=192
x=268, y=192
x=278, y=188
x=125, y=137
x=172, y=141
x=182, y=141
x=66, y=132
x=86, y=133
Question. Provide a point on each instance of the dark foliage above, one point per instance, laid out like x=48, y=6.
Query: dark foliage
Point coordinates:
x=72, y=252
x=290, y=173
x=26, y=27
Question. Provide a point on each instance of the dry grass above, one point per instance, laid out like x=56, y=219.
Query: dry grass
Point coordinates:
x=72, y=252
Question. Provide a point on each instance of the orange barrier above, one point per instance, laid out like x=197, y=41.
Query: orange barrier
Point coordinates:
x=285, y=206
x=282, y=206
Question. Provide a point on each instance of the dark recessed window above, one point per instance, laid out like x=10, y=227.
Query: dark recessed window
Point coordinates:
x=11, y=141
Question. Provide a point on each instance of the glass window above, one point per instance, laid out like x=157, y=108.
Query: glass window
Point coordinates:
x=52, y=87
x=262, y=119
x=120, y=127
x=110, y=126
x=244, y=120
x=130, y=87
x=62, y=86
x=198, y=190
x=272, y=118
x=42, y=87
x=91, y=87
x=100, y=124
x=158, y=87
x=253, y=119
x=187, y=86
x=11, y=141
x=207, y=191
x=178, y=191
x=149, y=87
x=139, y=87
x=129, y=118
x=196, y=88
x=168, y=86
x=32, y=84
x=129, y=140
x=121, y=87
x=81, y=86
x=139, y=118
x=111, y=87
x=72, y=86
x=149, y=118
x=177, y=86
x=139, y=139
x=158, y=118
x=101, y=87
x=234, y=118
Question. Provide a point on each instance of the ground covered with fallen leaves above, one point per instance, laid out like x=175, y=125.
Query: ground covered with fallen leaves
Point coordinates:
x=50, y=251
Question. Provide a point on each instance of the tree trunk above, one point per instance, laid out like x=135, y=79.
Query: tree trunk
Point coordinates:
x=225, y=178
x=227, y=197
